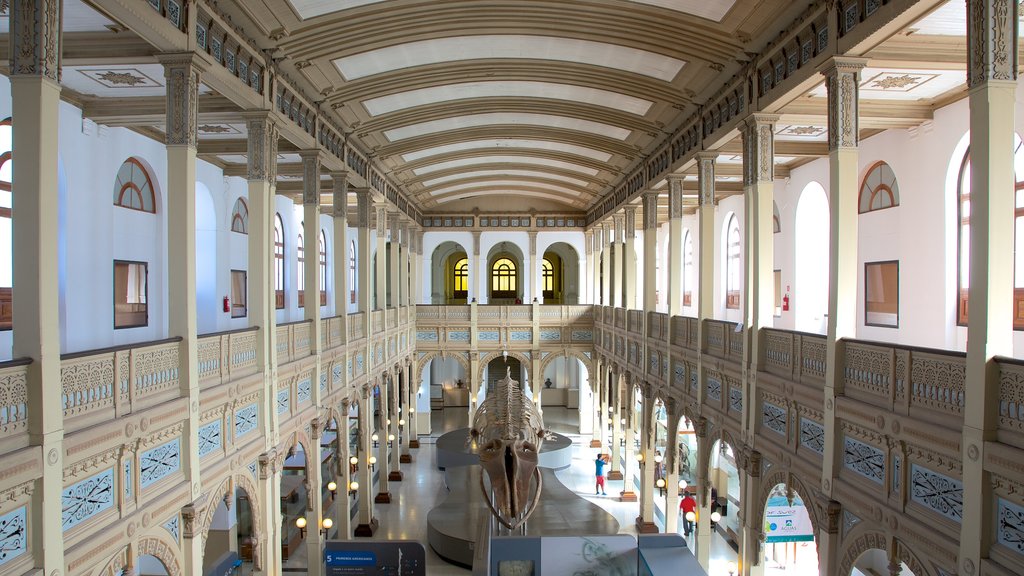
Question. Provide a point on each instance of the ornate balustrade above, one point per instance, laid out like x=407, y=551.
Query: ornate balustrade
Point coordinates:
x=1011, y=401
x=377, y=321
x=794, y=355
x=723, y=340
x=684, y=332
x=332, y=332
x=100, y=385
x=635, y=321
x=13, y=404
x=293, y=341
x=356, y=326
x=657, y=326
x=227, y=355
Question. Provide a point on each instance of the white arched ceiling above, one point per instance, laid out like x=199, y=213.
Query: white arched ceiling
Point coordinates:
x=552, y=100
x=508, y=46
x=499, y=144
x=506, y=88
x=516, y=118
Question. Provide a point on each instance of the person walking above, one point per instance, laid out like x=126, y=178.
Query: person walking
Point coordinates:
x=599, y=472
x=687, y=505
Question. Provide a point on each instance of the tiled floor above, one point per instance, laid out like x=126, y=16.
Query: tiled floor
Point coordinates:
x=422, y=488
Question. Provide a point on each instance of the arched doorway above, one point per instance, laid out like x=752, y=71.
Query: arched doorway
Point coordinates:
x=149, y=565
x=686, y=465
x=810, y=298
x=230, y=535
x=560, y=277
x=448, y=381
x=724, y=494
x=450, y=278
x=789, y=533
x=496, y=370
x=876, y=561
x=294, y=506
x=505, y=274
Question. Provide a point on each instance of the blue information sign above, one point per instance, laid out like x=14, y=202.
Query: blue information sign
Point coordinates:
x=362, y=558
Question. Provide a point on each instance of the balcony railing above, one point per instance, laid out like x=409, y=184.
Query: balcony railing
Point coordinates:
x=100, y=385
x=227, y=355
x=293, y=340
x=13, y=403
x=1011, y=401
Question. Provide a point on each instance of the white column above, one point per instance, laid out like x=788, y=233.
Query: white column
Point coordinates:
x=587, y=279
x=367, y=523
x=650, y=224
x=343, y=473
x=35, y=91
x=342, y=290
x=606, y=265
x=383, y=487
x=992, y=77
x=630, y=261
x=619, y=274
x=314, y=487
x=393, y=286
x=674, y=261
x=705, y=311
x=380, y=272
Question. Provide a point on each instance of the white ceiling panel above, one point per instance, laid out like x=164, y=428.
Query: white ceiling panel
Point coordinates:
x=505, y=184
x=903, y=84
x=522, y=89
x=529, y=193
x=514, y=118
x=505, y=159
x=518, y=46
x=499, y=144
x=493, y=173
x=713, y=10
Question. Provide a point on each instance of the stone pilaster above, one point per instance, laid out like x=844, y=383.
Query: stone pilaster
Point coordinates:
x=992, y=44
x=314, y=495
x=380, y=271
x=842, y=78
x=606, y=265
x=383, y=488
x=618, y=260
x=35, y=35
x=675, y=246
x=367, y=524
x=630, y=262
x=342, y=250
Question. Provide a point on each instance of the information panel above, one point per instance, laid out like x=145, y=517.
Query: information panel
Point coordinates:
x=384, y=558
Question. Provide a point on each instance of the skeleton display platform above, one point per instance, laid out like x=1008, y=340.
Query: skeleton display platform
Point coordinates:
x=452, y=451
x=452, y=525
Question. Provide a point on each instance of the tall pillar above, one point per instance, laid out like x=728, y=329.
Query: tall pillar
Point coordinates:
x=314, y=489
x=672, y=468
x=650, y=223
x=405, y=414
x=751, y=548
x=645, y=521
x=616, y=421
x=532, y=281
x=182, y=74
x=395, y=459
x=394, y=292
x=365, y=255
x=589, y=284
x=992, y=77
x=841, y=81
x=619, y=260
x=260, y=301
x=474, y=378
x=629, y=456
x=705, y=311
x=597, y=385
x=270, y=495
x=367, y=524
x=35, y=91
x=311, y=232
x=343, y=473
x=342, y=290
x=606, y=290
x=758, y=133
x=630, y=263
x=674, y=261
x=380, y=271
x=478, y=274
x=383, y=491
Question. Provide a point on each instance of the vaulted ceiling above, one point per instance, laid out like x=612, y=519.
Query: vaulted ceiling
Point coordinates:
x=523, y=105
x=511, y=104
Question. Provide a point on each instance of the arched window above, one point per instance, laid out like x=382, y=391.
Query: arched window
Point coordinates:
x=687, y=269
x=548, y=278
x=300, y=251
x=352, y=272
x=460, y=279
x=964, y=240
x=6, y=239
x=323, y=268
x=732, y=264
x=240, y=217
x=503, y=278
x=133, y=188
x=776, y=221
x=879, y=189
x=278, y=262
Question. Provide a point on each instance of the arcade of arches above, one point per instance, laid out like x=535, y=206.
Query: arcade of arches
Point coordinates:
x=770, y=254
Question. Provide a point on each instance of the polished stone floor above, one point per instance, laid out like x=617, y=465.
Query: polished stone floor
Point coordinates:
x=423, y=487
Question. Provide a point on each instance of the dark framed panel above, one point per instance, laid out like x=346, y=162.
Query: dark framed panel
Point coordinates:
x=131, y=294
x=239, y=290
x=882, y=294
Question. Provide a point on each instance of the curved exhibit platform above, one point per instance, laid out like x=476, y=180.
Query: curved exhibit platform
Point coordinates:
x=452, y=451
x=453, y=525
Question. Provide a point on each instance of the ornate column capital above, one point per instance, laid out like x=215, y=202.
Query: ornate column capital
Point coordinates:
x=182, y=72
x=991, y=41
x=629, y=219
x=340, y=195
x=35, y=28
x=618, y=225
x=363, y=199
x=476, y=243
x=706, y=177
x=650, y=203
x=675, y=196
x=381, y=211
x=261, y=150
x=311, y=162
x=758, y=133
x=588, y=241
x=842, y=80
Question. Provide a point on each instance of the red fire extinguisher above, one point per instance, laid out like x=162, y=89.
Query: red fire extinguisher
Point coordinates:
x=785, y=303
x=227, y=304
